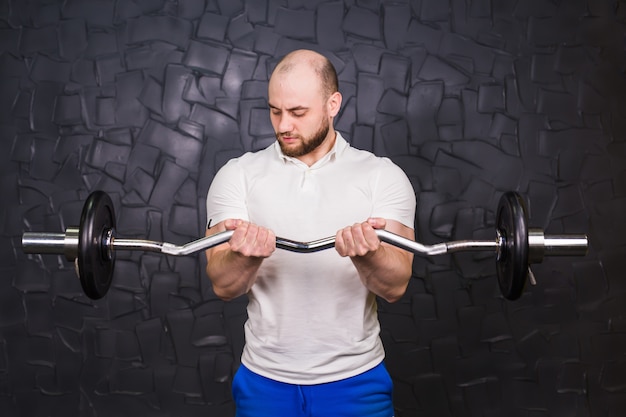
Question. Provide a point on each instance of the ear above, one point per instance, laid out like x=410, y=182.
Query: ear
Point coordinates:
x=334, y=103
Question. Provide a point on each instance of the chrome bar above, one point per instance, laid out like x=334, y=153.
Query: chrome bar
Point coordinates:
x=305, y=247
x=71, y=243
x=197, y=245
x=411, y=246
x=52, y=243
x=536, y=245
x=566, y=245
x=302, y=247
x=33, y=242
x=222, y=237
x=137, y=244
x=539, y=244
x=318, y=245
x=472, y=245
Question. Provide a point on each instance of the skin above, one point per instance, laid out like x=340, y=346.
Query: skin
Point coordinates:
x=302, y=115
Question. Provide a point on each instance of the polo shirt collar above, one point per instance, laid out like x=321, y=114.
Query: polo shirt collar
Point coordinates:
x=340, y=145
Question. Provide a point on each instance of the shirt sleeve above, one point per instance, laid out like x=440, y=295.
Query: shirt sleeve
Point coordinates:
x=394, y=195
x=226, y=198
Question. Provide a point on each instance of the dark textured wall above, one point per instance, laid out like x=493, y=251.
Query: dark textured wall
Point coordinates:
x=146, y=99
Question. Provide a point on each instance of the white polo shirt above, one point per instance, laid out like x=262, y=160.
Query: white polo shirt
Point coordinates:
x=310, y=318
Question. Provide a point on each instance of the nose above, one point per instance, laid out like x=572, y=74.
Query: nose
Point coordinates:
x=284, y=123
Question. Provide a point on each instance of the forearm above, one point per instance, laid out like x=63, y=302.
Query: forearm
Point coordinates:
x=383, y=268
x=385, y=272
x=232, y=267
x=231, y=274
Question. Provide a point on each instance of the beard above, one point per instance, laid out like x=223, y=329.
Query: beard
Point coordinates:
x=306, y=145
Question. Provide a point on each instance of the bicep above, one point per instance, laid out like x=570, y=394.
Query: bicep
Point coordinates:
x=394, y=197
x=226, y=197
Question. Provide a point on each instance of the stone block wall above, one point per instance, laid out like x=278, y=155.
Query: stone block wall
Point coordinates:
x=146, y=99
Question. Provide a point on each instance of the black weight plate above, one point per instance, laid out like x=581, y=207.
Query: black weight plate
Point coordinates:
x=95, y=260
x=512, y=265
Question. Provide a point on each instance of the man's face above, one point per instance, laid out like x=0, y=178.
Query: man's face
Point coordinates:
x=298, y=112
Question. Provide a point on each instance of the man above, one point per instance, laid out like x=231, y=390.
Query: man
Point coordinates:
x=312, y=334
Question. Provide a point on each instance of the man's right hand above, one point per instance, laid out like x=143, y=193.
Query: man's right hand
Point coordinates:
x=249, y=239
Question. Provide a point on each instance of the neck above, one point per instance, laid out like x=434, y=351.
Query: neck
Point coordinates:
x=319, y=152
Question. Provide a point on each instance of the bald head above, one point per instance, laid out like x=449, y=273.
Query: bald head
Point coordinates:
x=314, y=61
x=303, y=99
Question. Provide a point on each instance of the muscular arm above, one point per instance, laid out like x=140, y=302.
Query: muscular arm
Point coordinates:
x=384, y=269
x=232, y=267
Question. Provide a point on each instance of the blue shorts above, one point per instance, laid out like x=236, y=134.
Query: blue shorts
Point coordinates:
x=368, y=394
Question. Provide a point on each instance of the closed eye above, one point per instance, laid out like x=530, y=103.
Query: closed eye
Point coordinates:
x=295, y=111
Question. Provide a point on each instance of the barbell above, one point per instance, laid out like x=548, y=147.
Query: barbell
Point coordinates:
x=92, y=245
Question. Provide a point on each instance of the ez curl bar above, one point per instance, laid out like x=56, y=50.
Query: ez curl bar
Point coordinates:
x=93, y=244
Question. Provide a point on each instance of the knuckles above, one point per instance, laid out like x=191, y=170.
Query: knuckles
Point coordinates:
x=356, y=240
x=253, y=241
